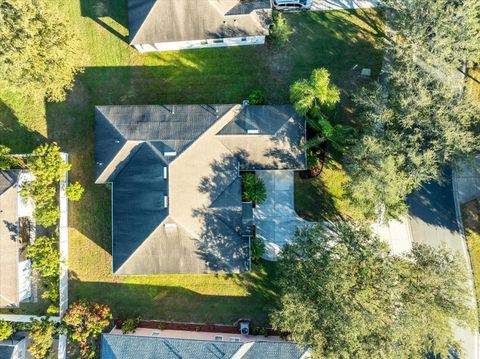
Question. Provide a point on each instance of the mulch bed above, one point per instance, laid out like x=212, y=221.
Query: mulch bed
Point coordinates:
x=317, y=170
x=194, y=327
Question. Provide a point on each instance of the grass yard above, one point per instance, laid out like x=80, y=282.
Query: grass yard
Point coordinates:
x=471, y=222
x=323, y=197
x=116, y=74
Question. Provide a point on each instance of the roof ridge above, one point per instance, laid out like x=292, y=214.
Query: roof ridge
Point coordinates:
x=130, y=156
x=141, y=245
x=232, y=106
x=156, y=2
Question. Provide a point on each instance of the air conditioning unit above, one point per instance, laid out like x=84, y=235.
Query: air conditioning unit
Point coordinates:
x=245, y=328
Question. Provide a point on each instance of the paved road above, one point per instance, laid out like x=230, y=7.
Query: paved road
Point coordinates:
x=433, y=220
x=319, y=5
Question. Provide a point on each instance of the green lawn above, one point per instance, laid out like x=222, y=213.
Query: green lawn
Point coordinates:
x=116, y=74
x=471, y=222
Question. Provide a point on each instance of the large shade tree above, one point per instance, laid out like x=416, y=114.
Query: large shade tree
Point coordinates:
x=39, y=50
x=346, y=296
x=410, y=134
x=444, y=34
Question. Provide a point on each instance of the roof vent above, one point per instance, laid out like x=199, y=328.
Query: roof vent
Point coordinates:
x=165, y=201
x=99, y=164
x=169, y=153
x=245, y=103
x=165, y=173
x=252, y=132
x=170, y=225
x=117, y=141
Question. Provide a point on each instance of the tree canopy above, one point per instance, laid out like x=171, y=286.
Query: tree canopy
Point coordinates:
x=344, y=294
x=85, y=322
x=41, y=334
x=39, y=50
x=408, y=137
x=441, y=33
x=48, y=167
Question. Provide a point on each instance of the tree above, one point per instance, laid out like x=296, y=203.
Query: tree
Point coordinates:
x=280, y=30
x=48, y=167
x=45, y=256
x=6, y=330
x=315, y=98
x=344, y=294
x=441, y=33
x=5, y=160
x=39, y=50
x=85, y=322
x=41, y=338
x=75, y=191
x=254, y=189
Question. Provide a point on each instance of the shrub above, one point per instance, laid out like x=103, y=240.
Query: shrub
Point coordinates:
x=45, y=256
x=85, y=321
x=5, y=160
x=257, y=249
x=254, y=189
x=280, y=30
x=6, y=329
x=48, y=167
x=41, y=338
x=256, y=97
x=130, y=325
x=75, y=191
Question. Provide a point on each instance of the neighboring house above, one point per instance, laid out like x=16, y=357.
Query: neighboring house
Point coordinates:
x=13, y=348
x=118, y=346
x=16, y=231
x=160, y=25
x=176, y=186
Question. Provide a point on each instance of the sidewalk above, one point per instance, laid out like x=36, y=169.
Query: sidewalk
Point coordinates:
x=466, y=186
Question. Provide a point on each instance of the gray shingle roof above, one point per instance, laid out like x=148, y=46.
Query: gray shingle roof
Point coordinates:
x=133, y=347
x=158, y=21
x=204, y=212
x=6, y=351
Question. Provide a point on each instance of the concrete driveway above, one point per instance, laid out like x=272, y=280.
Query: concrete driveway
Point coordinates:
x=321, y=5
x=276, y=219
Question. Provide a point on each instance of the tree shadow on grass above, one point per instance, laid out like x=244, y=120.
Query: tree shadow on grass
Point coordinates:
x=177, y=303
x=16, y=135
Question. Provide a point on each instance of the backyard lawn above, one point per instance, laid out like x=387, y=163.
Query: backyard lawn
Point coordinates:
x=116, y=74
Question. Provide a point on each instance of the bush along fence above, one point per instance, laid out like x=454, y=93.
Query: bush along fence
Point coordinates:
x=48, y=189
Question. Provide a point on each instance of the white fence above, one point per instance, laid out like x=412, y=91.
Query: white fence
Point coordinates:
x=63, y=239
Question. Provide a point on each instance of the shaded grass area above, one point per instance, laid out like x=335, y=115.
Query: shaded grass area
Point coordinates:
x=189, y=298
x=471, y=222
x=116, y=74
x=323, y=198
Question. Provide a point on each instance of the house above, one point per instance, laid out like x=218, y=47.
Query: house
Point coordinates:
x=160, y=25
x=120, y=346
x=13, y=348
x=176, y=185
x=16, y=231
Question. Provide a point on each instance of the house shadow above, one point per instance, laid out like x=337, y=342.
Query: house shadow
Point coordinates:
x=178, y=303
x=16, y=135
x=112, y=15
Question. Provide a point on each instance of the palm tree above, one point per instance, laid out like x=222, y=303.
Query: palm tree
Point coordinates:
x=315, y=95
x=314, y=98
